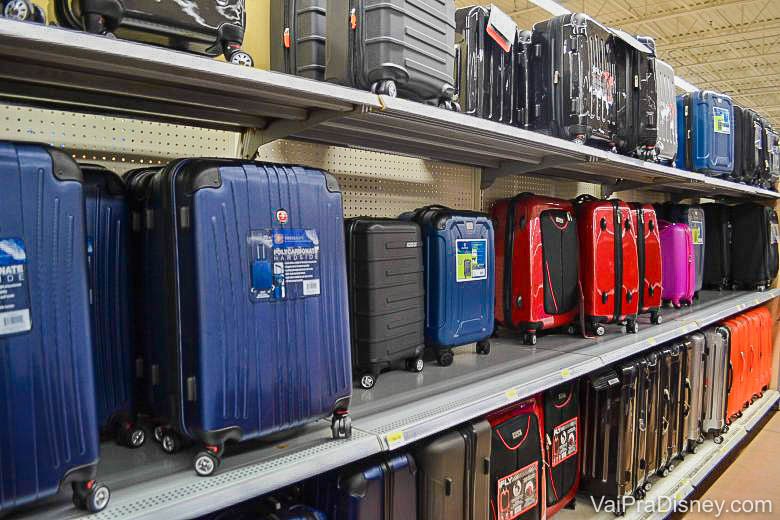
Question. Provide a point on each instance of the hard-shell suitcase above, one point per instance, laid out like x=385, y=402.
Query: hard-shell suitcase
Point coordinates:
x=694, y=369
x=650, y=410
x=48, y=420
x=609, y=432
x=609, y=267
x=637, y=130
x=764, y=333
x=739, y=366
x=716, y=374
x=749, y=138
x=208, y=27
x=694, y=217
x=537, y=264
x=108, y=226
x=678, y=263
x=459, y=260
x=754, y=249
x=562, y=445
x=255, y=273
x=648, y=243
x=705, y=133
x=737, y=173
x=666, y=105
x=298, y=37
x=772, y=153
x=402, y=47
x=717, y=246
x=387, y=305
x=491, y=71
x=517, y=471
x=670, y=364
x=453, y=474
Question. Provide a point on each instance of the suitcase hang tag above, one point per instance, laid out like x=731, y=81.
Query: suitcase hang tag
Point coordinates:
x=501, y=28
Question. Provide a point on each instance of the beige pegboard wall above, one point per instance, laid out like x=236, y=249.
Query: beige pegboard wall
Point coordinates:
x=652, y=197
x=510, y=186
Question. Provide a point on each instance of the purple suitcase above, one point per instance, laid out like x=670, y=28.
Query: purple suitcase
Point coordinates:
x=678, y=266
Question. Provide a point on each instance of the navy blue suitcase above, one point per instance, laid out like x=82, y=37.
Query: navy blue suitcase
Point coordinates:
x=256, y=312
x=108, y=226
x=705, y=129
x=48, y=423
x=459, y=260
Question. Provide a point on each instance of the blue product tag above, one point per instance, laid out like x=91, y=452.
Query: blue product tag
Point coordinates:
x=285, y=264
x=721, y=120
x=14, y=291
x=471, y=260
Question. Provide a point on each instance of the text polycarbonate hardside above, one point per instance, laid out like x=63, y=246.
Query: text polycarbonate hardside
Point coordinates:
x=48, y=423
x=298, y=37
x=706, y=133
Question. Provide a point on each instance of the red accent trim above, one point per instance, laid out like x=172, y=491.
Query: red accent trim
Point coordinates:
x=565, y=223
x=566, y=402
x=213, y=449
x=551, y=480
x=552, y=292
x=90, y=484
x=527, y=428
x=577, y=447
x=500, y=40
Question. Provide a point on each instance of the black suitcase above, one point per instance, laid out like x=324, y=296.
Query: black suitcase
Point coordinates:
x=754, y=252
x=298, y=37
x=649, y=410
x=562, y=445
x=404, y=47
x=386, y=293
x=637, y=129
x=739, y=149
x=672, y=398
x=717, y=246
x=208, y=27
x=749, y=140
x=772, y=154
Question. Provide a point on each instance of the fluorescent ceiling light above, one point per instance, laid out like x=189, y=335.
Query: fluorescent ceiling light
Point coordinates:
x=687, y=87
x=551, y=7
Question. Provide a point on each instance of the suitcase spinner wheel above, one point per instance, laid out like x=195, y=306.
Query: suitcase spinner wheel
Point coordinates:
x=23, y=11
x=91, y=495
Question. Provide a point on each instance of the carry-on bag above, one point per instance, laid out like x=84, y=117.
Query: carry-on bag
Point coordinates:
x=670, y=362
x=517, y=471
x=754, y=249
x=48, y=420
x=207, y=27
x=298, y=37
x=537, y=264
x=737, y=173
x=694, y=368
x=717, y=246
x=705, y=133
x=666, y=109
x=254, y=272
x=648, y=243
x=609, y=267
x=694, y=217
x=678, y=264
x=400, y=47
x=386, y=295
x=453, y=474
x=764, y=332
x=749, y=139
x=459, y=260
x=739, y=366
x=772, y=153
x=650, y=412
x=562, y=445
x=716, y=376
x=637, y=130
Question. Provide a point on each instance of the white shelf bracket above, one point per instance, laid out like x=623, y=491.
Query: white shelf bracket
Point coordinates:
x=489, y=175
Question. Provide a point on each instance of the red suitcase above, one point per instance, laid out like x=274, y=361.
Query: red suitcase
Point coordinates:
x=648, y=243
x=765, y=333
x=537, y=271
x=609, y=267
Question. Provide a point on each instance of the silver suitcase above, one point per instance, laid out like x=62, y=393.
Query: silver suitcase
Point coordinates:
x=693, y=372
x=716, y=368
x=666, y=142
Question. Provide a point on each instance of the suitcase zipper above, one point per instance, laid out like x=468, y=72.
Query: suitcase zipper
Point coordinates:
x=509, y=243
x=470, y=468
x=388, y=487
x=640, y=245
x=618, y=234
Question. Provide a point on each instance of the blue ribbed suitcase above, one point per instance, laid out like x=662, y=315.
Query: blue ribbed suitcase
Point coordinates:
x=705, y=126
x=459, y=260
x=48, y=423
x=256, y=309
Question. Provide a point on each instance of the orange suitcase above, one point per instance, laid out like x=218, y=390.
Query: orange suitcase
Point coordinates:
x=735, y=374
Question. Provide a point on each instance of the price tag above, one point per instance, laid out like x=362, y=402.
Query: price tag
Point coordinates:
x=679, y=496
x=394, y=438
x=756, y=301
x=566, y=373
x=652, y=341
x=511, y=394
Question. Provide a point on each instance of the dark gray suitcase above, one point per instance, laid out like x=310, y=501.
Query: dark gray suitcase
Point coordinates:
x=716, y=369
x=670, y=361
x=298, y=37
x=403, y=47
x=453, y=474
x=772, y=154
x=649, y=409
x=693, y=399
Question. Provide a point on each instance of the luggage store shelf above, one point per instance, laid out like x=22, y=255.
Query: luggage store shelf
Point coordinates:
x=688, y=474
x=82, y=72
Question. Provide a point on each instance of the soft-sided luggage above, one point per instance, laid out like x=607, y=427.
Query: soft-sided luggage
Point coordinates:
x=453, y=474
x=108, y=226
x=517, y=471
x=670, y=363
x=402, y=47
x=609, y=267
x=705, y=133
x=754, y=249
x=678, y=263
x=208, y=27
x=387, y=306
x=694, y=368
x=537, y=264
x=48, y=420
x=562, y=445
x=637, y=132
x=459, y=260
x=609, y=432
x=254, y=266
x=648, y=243
x=666, y=106
x=491, y=70
x=717, y=246
x=716, y=374
x=298, y=37
x=694, y=217
x=650, y=410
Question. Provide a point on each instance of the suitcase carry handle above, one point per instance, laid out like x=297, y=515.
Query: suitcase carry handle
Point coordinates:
x=730, y=377
x=419, y=211
x=585, y=197
x=688, y=392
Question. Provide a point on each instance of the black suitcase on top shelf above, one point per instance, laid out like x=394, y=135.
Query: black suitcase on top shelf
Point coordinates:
x=754, y=253
x=386, y=293
x=491, y=71
x=393, y=46
x=637, y=129
x=298, y=37
x=562, y=445
x=717, y=246
x=208, y=27
x=772, y=154
x=749, y=140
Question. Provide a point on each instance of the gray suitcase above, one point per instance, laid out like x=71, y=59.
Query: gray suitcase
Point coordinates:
x=453, y=474
x=666, y=143
x=670, y=362
x=693, y=386
x=404, y=47
x=649, y=408
x=716, y=369
x=298, y=37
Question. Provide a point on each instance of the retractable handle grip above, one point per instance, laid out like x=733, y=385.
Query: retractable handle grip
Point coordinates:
x=585, y=197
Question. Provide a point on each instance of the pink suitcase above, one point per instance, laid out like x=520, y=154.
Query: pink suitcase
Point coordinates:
x=678, y=263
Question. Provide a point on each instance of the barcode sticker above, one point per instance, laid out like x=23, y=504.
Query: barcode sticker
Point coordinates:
x=311, y=287
x=15, y=322
x=394, y=439
x=14, y=292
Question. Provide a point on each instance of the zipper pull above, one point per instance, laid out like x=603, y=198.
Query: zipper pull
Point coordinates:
x=353, y=19
x=286, y=38
x=556, y=77
x=568, y=216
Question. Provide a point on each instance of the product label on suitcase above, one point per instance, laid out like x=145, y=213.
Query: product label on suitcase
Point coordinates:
x=564, y=441
x=721, y=120
x=501, y=28
x=14, y=291
x=774, y=233
x=471, y=260
x=518, y=492
x=697, y=233
x=285, y=264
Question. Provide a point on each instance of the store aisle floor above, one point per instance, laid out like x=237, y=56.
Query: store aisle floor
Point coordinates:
x=752, y=476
